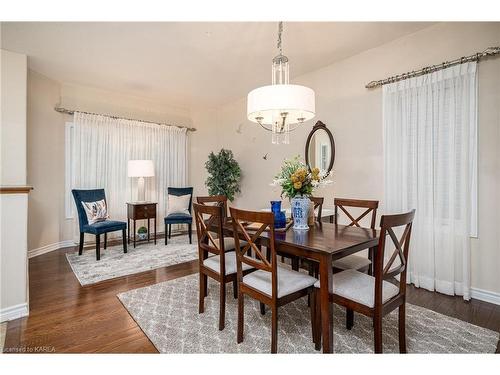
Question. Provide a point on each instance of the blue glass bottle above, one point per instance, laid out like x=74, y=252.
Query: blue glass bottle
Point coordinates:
x=279, y=216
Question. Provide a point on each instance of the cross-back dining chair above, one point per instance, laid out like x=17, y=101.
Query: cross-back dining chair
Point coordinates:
x=214, y=200
x=354, y=261
x=219, y=200
x=106, y=226
x=317, y=206
x=214, y=260
x=272, y=285
x=179, y=218
x=374, y=296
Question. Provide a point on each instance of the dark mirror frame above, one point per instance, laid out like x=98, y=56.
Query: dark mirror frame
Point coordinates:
x=320, y=126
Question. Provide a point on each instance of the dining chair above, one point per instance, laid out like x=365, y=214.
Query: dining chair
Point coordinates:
x=354, y=261
x=317, y=206
x=270, y=284
x=295, y=261
x=214, y=259
x=100, y=227
x=373, y=296
x=178, y=217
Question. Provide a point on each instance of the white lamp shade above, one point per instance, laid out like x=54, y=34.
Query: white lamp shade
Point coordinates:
x=141, y=168
x=270, y=101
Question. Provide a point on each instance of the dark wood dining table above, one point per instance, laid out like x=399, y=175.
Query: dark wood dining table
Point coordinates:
x=322, y=243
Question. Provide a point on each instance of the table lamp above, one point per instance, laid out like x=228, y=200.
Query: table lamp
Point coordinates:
x=141, y=169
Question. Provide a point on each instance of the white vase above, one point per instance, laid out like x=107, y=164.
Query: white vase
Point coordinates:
x=300, y=212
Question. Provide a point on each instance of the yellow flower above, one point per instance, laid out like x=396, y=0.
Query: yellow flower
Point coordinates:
x=315, y=171
x=293, y=178
x=297, y=185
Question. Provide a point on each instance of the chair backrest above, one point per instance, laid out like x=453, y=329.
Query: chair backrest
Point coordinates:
x=371, y=206
x=182, y=191
x=318, y=204
x=80, y=196
x=387, y=270
x=261, y=221
x=214, y=200
x=209, y=220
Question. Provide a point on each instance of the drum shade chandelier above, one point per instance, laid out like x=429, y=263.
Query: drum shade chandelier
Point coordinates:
x=280, y=107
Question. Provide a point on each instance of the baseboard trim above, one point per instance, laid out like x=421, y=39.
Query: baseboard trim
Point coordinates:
x=485, y=295
x=14, y=312
x=51, y=247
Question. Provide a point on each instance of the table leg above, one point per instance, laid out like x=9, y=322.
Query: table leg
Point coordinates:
x=148, y=228
x=154, y=222
x=331, y=219
x=133, y=235
x=325, y=272
x=128, y=231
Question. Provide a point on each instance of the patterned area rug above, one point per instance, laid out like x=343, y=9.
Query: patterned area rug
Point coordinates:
x=168, y=314
x=114, y=263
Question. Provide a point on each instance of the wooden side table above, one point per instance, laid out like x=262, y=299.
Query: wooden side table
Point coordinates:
x=141, y=211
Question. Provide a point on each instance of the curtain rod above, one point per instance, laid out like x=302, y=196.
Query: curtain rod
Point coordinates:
x=71, y=111
x=491, y=51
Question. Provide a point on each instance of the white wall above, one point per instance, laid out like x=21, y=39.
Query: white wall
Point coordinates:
x=13, y=207
x=354, y=115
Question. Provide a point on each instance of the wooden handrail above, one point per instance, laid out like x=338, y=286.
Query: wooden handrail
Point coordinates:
x=23, y=189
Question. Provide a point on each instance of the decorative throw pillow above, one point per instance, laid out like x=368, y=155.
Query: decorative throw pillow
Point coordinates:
x=96, y=211
x=178, y=204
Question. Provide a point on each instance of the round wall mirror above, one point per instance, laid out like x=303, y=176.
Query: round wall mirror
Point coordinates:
x=320, y=148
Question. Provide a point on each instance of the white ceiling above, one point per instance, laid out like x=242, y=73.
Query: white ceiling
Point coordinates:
x=188, y=63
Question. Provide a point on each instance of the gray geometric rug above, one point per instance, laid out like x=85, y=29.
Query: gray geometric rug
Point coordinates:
x=146, y=256
x=168, y=314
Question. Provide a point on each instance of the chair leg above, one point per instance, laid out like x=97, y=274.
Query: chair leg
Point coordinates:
x=402, y=329
x=169, y=231
x=222, y=305
x=349, y=318
x=274, y=329
x=295, y=263
x=166, y=234
x=80, y=247
x=317, y=319
x=124, y=240
x=377, y=330
x=312, y=309
x=235, y=289
x=98, y=246
x=262, y=308
x=201, y=302
x=105, y=240
x=190, y=231
x=241, y=301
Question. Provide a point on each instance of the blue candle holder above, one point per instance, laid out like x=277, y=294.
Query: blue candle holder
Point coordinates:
x=279, y=216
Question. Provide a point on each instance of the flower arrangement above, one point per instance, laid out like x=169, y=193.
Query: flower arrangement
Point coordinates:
x=295, y=178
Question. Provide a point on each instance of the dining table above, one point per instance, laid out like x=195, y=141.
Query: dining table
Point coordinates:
x=322, y=243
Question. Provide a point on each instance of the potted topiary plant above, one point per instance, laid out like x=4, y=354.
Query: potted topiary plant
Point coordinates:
x=224, y=174
x=142, y=233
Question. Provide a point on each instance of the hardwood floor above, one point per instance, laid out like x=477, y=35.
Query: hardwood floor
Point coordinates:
x=66, y=317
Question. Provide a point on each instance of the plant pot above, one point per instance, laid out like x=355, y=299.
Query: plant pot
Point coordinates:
x=300, y=212
x=142, y=236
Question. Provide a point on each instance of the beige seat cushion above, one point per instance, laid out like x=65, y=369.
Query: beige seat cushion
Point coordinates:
x=288, y=281
x=228, y=242
x=360, y=287
x=213, y=263
x=352, y=262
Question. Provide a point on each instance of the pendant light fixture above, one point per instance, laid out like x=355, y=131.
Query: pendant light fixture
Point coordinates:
x=280, y=107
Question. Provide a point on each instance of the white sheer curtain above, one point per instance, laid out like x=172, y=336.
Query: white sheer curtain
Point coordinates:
x=102, y=147
x=430, y=156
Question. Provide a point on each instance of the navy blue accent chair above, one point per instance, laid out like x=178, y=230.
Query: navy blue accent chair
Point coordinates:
x=97, y=228
x=178, y=218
